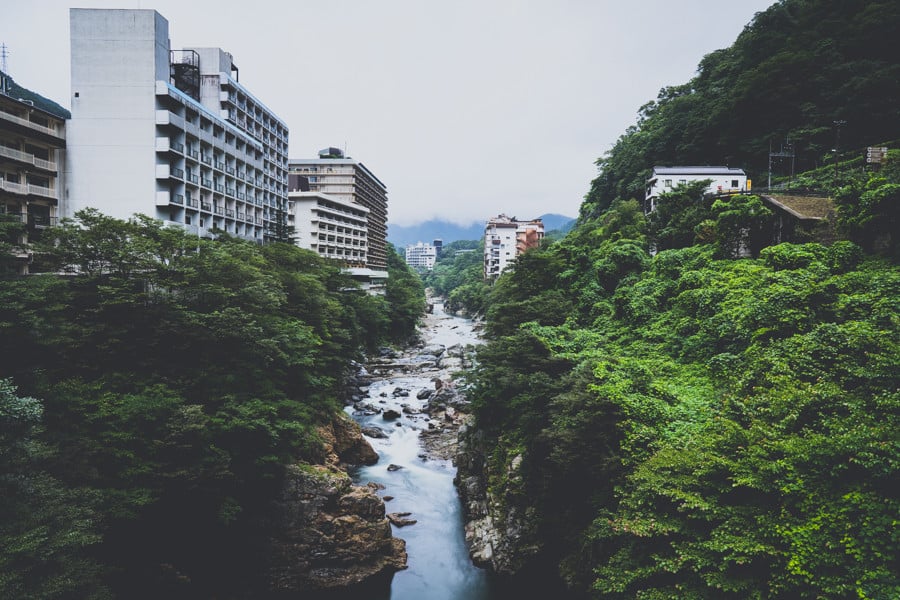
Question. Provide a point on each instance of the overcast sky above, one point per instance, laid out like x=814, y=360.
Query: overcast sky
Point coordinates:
x=465, y=108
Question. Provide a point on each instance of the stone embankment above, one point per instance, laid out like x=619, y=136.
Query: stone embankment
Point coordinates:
x=499, y=523
x=328, y=533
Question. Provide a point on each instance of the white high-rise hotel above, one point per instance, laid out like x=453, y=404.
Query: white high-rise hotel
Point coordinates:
x=168, y=133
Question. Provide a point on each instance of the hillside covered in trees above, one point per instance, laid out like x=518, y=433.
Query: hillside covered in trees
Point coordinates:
x=797, y=68
x=151, y=398
x=690, y=424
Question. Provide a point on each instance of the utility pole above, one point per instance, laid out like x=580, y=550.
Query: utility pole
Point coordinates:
x=837, y=145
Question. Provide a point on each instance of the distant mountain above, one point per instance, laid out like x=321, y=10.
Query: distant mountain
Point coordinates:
x=428, y=231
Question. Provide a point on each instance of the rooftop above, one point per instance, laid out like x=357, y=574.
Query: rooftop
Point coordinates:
x=803, y=207
x=697, y=170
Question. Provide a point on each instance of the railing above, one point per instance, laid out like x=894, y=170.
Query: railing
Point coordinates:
x=229, y=212
x=218, y=187
x=178, y=173
x=219, y=210
x=42, y=220
x=229, y=191
x=43, y=129
x=206, y=159
x=229, y=170
x=177, y=199
x=37, y=190
x=220, y=165
x=28, y=158
x=192, y=202
x=193, y=179
x=207, y=183
x=206, y=206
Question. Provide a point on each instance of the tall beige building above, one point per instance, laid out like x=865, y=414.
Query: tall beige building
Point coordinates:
x=344, y=178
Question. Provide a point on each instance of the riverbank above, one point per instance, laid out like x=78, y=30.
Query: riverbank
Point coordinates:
x=409, y=406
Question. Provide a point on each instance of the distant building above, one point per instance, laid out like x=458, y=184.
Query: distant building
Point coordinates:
x=343, y=177
x=421, y=256
x=332, y=227
x=438, y=246
x=505, y=238
x=32, y=149
x=169, y=133
x=665, y=179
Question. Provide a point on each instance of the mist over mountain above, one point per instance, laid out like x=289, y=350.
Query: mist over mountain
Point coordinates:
x=427, y=231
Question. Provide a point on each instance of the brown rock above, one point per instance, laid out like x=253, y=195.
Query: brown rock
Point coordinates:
x=329, y=533
x=344, y=443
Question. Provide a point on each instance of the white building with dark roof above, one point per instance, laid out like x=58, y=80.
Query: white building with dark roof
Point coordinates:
x=721, y=180
x=32, y=150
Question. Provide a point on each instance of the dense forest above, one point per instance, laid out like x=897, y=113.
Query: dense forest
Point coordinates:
x=692, y=422
x=153, y=388
x=819, y=75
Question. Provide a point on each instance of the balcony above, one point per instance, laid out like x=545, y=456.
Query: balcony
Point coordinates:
x=219, y=210
x=207, y=183
x=58, y=136
x=29, y=159
x=229, y=212
x=219, y=187
x=220, y=165
x=193, y=179
x=206, y=206
x=229, y=191
x=165, y=117
x=206, y=159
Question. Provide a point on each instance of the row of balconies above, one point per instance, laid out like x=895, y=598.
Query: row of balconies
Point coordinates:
x=168, y=118
x=27, y=189
x=51, y=131
x=27, y=158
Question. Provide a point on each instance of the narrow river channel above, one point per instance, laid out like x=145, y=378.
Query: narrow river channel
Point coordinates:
x=439, y=565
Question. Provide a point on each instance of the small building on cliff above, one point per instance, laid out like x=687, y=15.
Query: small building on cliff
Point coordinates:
x=722, y=180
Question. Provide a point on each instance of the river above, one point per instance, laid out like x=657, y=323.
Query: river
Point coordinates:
x=439, y=564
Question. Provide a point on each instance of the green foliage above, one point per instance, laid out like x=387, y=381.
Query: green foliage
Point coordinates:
x=47, y=529
x=405, y=295
x=177, y=377
x=696, y=426
x=794, y=70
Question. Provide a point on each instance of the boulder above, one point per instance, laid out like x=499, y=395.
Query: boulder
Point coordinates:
x=328, y=534
x=343, y=442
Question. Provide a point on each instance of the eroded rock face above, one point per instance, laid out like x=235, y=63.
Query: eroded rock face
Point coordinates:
x=344, y=443
x=500, y=530
x=330, y=533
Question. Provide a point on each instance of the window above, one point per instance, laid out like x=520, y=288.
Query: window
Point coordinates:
x=667, y=183
x=734, y=183
x=682, y=181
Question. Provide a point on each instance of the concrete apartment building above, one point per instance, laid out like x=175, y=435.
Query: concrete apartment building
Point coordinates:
x=333, y=227
x=721, y=180
x=505, y=238
x=169, y=133
x=32, y=149
x=344, y=178
x=422, y=256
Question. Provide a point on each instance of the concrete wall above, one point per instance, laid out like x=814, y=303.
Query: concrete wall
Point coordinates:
x=117, y=57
